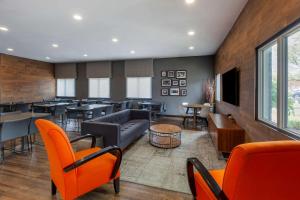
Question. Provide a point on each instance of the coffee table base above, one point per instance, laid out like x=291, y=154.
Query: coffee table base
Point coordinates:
x=166, y=141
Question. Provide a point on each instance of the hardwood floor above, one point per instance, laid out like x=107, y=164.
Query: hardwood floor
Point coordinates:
x=26, y=177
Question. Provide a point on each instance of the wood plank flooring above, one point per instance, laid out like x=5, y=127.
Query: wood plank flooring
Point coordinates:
x=26, y=177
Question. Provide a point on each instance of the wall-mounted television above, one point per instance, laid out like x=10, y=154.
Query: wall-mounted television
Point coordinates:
x=231, y=86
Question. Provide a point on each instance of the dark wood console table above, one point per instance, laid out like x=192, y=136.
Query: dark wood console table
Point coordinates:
x=225, y=133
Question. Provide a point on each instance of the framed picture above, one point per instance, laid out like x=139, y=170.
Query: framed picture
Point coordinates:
x=171, y=74
x=163, y=73
x=174, y=91
x=166, y=82
x=183, y=92
x=164, y=92
x=182, y=83
x=181, y=74
x=175, y=83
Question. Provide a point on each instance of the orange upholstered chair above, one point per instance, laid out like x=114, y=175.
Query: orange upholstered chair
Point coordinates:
x=76, y=173
x=264, y=170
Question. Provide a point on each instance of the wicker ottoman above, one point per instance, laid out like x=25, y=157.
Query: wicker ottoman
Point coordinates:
x=165, y=136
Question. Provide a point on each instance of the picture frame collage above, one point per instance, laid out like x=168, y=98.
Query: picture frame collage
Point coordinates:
x=174, y=83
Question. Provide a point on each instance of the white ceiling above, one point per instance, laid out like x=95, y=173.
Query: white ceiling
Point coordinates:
x=153, y=28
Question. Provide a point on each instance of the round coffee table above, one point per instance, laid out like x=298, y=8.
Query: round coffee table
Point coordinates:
x=165, y=136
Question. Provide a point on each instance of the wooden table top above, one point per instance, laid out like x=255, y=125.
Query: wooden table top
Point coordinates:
x=165, y=128
x=194, y=105
x=222, y=121
x=20, y=116
x=50, y=104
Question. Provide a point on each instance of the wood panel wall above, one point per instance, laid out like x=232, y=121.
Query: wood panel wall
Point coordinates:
x=25, y=80
x=259, y=20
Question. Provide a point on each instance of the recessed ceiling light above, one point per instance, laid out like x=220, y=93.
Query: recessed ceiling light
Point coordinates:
x=77, y=17
x=47, y=58
x=191, y=48
x=132, y=51
x=115, y=40
x=85, y=55
x=189, y=1
x=55, y=45
x=2, y=28
x=191, y=33
x=10, y=49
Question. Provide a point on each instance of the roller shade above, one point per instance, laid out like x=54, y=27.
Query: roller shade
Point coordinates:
x=139, y=68
x=65, y=70
x=98, y=69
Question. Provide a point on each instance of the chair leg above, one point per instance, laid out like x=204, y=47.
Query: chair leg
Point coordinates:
x=117, y=185
x=53, y=188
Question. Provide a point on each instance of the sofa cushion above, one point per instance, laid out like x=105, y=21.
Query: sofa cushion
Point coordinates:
x=133, y=128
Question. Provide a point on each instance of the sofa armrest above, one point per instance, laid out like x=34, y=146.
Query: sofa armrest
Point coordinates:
x=109, y=131
x=140, y=114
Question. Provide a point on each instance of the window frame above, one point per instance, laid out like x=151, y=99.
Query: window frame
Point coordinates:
x=139, y=98
x=109, y=89
x=282, y=79
x=56, y=80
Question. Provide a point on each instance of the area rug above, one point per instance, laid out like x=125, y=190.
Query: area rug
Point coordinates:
x=166, y=168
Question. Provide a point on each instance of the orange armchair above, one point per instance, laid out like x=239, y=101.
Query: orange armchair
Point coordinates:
x=263, y=170
x=76, y=173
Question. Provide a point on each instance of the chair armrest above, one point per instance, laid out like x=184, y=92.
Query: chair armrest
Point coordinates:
x=116, y=151
x=140, y=114
x=85, y=136
x=210, y=181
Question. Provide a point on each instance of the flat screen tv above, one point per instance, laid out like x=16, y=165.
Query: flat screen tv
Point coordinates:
x=231, y=86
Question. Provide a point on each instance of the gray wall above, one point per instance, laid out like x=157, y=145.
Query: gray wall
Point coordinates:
x=118, y=81
x=199, y=69
x=82, y=83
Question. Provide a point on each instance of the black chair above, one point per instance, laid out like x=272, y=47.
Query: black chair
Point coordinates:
x=123, y=105
x=74, y=115
x=129, y=104
x=59, y=110
x=37, y=109
x=109, y=109
x=23, y=107
x=32, y=131
x=11, y=130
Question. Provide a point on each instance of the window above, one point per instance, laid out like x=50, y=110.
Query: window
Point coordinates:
x=218, y=87
x=65, y=87
x=99, y=87
x=139, y=87
x=278, y=98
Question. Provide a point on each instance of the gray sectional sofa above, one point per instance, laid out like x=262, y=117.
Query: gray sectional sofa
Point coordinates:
x=120, y=128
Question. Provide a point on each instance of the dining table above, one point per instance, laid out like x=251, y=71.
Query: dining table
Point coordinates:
x=48, y=106
x=196, y=107
x=20, y=116
x=87, y=107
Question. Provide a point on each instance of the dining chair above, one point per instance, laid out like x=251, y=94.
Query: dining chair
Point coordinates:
x=74, y=174
x=202, y=115
x=262, y=170
x=60, y=111
x=75, y=116
x=12, y=130
x=23, y=107
x=109, y=109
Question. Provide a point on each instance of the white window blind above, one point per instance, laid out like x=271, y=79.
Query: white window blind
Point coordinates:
x=65, y=87
x=99, y=87
x=139, y=87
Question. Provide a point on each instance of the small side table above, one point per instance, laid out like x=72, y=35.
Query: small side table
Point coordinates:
x=165, y=136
